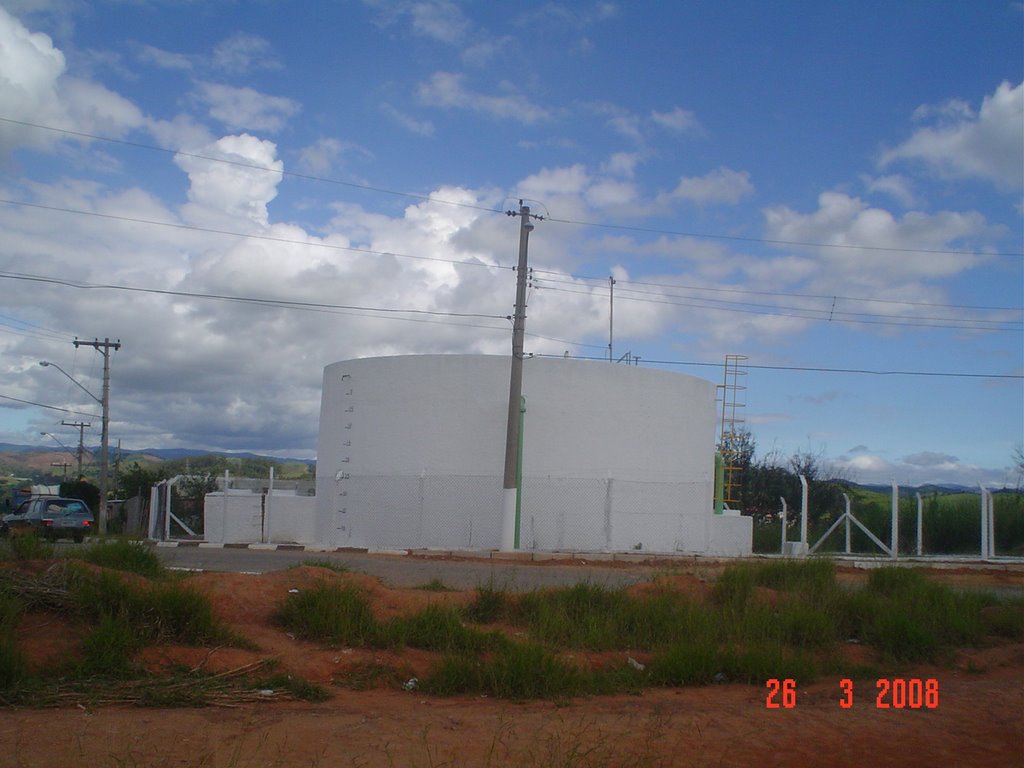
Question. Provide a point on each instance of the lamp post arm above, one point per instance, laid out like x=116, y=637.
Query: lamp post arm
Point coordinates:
x=47, y=364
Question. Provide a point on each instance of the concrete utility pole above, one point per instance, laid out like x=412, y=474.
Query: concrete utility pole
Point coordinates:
x=510, y=494
x=81, y=440
x=103, y=347
x=611, y=316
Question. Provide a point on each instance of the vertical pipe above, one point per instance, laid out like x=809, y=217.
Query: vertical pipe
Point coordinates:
x=920, y=525
x=719, y=483
x=846, y=499
x=519, y=468
x=895, y=522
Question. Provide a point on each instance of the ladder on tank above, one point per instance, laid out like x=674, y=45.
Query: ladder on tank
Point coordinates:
x=732, y=431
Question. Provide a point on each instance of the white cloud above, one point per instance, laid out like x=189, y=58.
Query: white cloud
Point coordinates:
x=919, y=238
x=722, y=185
x=677, y=120
x=237, y=192
x=894, y=185
x=411, y=124
x=439, y=20
x=242, y=53
x=324, y=154
x=35, y=89
x=149, y=54
x=241, y=109
x=926, y=467
x=447, y=90
x=988, y=145
x=621, y=164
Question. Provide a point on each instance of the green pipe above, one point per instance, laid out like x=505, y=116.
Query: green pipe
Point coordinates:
x=519, y=469
x=719, y=484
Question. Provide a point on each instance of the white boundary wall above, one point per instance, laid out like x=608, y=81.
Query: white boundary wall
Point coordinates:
x=616, y=458
x=247, y=517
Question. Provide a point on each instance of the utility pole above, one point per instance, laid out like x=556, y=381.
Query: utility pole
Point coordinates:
x=81, y=440
x=103, y=347
x=63, y=464
x=510, y=493
x=611, y=316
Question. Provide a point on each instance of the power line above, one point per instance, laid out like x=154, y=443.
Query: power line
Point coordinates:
x=770, y=241
x=249, y=235
x=788, y=294
x=572, y=222
x=545, y=280
x=51, y=407
x=283, y=303
x=819, y=369
x=803, y=313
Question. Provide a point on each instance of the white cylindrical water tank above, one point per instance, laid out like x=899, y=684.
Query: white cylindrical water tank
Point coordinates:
x=615, y=457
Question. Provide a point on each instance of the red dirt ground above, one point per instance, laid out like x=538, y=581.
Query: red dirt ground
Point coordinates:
x=979, y=720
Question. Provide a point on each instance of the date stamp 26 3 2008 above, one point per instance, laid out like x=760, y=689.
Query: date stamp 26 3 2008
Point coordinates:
x=894, y=693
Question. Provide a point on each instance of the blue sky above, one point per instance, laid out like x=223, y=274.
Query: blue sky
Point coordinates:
x=811, y=185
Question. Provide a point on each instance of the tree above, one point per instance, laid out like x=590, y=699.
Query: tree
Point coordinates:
x=84, y=490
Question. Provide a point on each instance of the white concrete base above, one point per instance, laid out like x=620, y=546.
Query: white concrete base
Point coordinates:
x=509, y=496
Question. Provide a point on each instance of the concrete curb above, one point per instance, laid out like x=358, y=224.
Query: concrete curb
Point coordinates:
x=598, y=558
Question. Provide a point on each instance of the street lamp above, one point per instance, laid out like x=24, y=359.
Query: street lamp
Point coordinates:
x=57, y=440
x=105, y=405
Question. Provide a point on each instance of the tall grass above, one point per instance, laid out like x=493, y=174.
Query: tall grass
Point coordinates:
x=334, y=613
x=156, y=611
x=122, y=555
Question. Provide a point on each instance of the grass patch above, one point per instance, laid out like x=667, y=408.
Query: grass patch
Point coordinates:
x=519, y=671
x=332, y=613
x=123, y=555
x=491, y=604
x=330, y=565
x=30, y=547
x=108, y=649
x=435, y=585
x=155, y=612
x=437, y=628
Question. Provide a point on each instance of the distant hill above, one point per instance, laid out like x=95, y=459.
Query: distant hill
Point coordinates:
x=19, y=459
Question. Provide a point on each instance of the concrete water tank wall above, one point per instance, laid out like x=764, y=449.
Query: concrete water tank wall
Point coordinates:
x=411, y=454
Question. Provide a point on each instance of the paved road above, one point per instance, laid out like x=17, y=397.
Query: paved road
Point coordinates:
x=403, y=571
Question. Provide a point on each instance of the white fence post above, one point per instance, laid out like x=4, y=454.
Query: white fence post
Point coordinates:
x=984, y=522
x=804, y=502
x=267, y=510
x=784, y=510
x=224, y=517
x=895, y=524
x=920, y=528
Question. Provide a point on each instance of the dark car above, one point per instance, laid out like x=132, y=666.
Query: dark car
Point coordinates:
x=51, y=517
